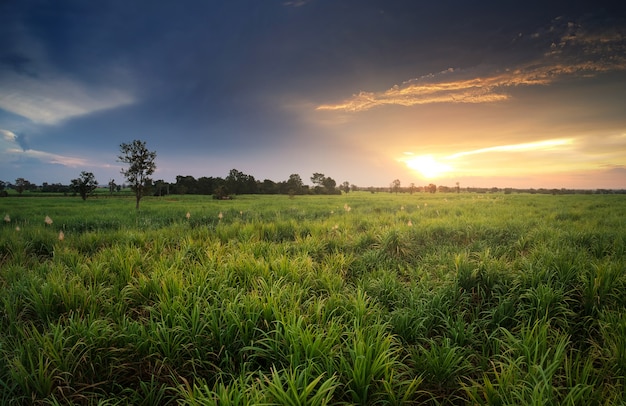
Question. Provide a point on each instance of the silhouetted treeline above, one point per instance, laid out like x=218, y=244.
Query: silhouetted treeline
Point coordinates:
x=239, y=183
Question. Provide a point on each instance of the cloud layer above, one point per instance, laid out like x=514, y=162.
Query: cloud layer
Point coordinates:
x=576, y=53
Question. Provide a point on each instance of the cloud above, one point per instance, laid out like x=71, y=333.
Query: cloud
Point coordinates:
x=12, y=150
x=577, y=53
x=527, y=146
x=8, y=136
x=50, y=100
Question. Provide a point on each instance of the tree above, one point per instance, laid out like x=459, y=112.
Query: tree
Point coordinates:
x=21, y=184
x=84, y=185
x=161, y=188
x=395, y=185
x=240, y=183
x=140, y=166
x=186, y=185
x=112, y=186
x=294, y=184
x=268, y=187
x=318, y=179
x=345, y=186
x=329, y=185
x=324, y=184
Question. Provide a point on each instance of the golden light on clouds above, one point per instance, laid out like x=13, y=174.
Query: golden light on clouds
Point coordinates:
x=449, y=87
x=577, y=53
x=465, y=163
x=527, y=146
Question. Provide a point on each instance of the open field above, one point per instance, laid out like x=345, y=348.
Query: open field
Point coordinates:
x=354, y=299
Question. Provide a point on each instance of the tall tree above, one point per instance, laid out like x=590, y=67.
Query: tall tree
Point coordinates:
x=140, y=166
x=84, y=185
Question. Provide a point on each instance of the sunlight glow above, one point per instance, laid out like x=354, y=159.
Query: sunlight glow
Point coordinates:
x=431, y=167
x=427, y=165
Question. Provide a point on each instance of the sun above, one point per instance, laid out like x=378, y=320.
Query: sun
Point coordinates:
x=427, y=165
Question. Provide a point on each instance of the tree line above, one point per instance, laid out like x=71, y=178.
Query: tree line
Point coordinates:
x=141, y=165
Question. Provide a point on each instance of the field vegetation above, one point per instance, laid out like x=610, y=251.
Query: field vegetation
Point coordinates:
x=314, y=300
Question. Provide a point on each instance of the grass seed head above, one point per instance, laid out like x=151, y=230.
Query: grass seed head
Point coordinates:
x=17, y=228
x=61, y=235
x=220, y=216
x=7, y=219
x=48, y=220
x=188, y=215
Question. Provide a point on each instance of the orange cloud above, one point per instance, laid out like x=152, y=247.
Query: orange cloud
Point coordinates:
x=577, y=53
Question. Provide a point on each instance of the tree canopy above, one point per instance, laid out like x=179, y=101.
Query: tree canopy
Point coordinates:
x=140, y=166
x=84, y=185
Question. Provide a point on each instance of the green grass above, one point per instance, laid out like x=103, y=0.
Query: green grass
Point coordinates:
x=356, y=299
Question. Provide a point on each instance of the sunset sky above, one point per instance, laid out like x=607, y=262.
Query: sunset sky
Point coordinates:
x=487, y=94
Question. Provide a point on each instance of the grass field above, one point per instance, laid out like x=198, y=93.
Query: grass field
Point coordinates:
x=355, y=299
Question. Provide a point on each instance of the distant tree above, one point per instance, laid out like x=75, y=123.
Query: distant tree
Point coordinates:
x=161, y=188
x=234, y=181
x=21, y=185
x=458, y=187
x=294, y=184
x=240, y=183
x=329, y=185
x=345, y=186
x=412, y=188
x=112, y=186
x=207, y=185
x=432, y=188
x=140, y=166
x=186, y=184
x=268, y=187
x=395, y=185
x=54, y=188
x=84, y=185
x=324, y=184
x=318, y=181
x=221, y=192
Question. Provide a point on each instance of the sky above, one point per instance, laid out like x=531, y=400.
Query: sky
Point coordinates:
x=487, y=94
